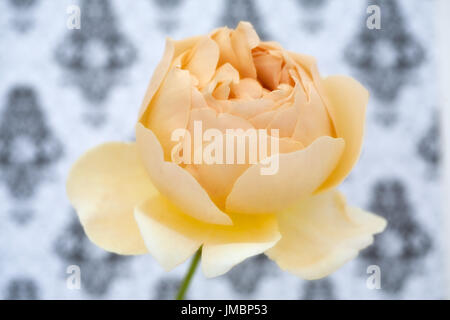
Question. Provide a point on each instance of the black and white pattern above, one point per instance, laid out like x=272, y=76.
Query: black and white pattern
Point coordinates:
x=95, y=55
x=63, y=91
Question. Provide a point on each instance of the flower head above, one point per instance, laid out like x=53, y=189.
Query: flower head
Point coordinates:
x=138, y=198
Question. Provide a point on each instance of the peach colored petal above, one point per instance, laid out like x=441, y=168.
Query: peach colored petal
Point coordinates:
x=174, y=182
x=211, y=119
x=249, y=108
x=262, y=120
x=308, y=63
x=169, y=109
x=235, y=48
x=246, y=88
x=250, y=34
x=197, y=99
x=268, y=69
x=285, y=121
x=104, y=186
x=222, y=91
x=284, y=94
x=217, y=179
x=347, y=101
x=287, y=145
x=226, y=73
x=172, y=50
x=321, y=233
x=202, y=61
x=171, y=236
x=313, y=120
x=256, y=193
x=223, y=40
x=241, y=47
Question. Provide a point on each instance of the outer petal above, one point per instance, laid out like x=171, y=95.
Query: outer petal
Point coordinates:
x=173, y=49
x=104, y=186
x=219, y=259
x=347, y=101
x=172, y=236
x=322, y=233
x=299, y=174
x=174, y=182
x=169, y=109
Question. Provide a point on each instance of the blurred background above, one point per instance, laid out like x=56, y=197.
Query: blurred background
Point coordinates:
x=63, y=91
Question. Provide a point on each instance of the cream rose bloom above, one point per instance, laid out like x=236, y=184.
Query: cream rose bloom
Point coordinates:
x=132, y=199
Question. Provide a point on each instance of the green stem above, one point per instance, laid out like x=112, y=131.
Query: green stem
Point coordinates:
x=187, y=278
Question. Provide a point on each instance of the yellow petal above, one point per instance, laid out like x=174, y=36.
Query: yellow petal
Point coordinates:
x=299, y=174
x=174, y=182
x=202, y=61
x=172, y=236
x=321, y=233
x=347, y=101
x=104, y=186
x=167, y=245
x=219, y=259
x=169, y=109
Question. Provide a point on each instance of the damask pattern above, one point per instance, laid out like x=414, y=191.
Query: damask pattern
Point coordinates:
x=44, y=128
x=95, y=55
x=386, y=58
x=22, y=14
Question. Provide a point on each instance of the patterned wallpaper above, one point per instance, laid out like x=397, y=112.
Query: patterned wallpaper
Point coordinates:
x=63, y=91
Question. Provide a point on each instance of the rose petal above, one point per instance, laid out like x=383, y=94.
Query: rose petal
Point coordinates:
x=288, y=145
x=262, y=120
x=250, y=33
x=202, y=61
x=268, y=69
x=197, y=100
x=347, y=101
x=169, y=109
x=222, y=91
x=172, y=50
x=249, y=108
x=299, y=174
x=313, y=120
x=321, y=233
x=219, y=259
x=235, y=48
x=216, y=179
x=104, y=186
x=246, y=88
x=172, y=236
x=285, y=121
x=166, y=244
x=174, y=182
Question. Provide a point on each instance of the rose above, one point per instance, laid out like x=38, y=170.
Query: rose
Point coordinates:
x=133, y=199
